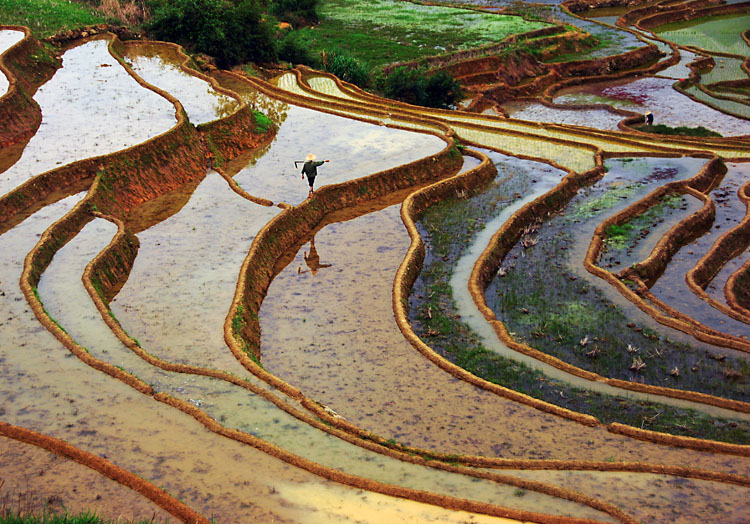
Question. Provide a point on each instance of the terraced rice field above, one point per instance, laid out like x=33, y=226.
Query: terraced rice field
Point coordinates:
x=539, y=317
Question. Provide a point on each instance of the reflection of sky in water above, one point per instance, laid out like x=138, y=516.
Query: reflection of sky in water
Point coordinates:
x=201, y=101
x=8, y=37
x=60, y=287
x=185, y=275
x=596, y=118
x=355, y=149
x=671, y=285
x=90, y=107
x=669, y=106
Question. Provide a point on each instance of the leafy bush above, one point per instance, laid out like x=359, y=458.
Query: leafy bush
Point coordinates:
x=296, y=12
x=415, y=86
x=232, y=32
x=346, y=67
x=295, y=49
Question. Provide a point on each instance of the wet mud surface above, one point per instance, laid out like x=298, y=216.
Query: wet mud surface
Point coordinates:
x=185, y=274
x=33, y=480
x=574, y=321
x=671, y=286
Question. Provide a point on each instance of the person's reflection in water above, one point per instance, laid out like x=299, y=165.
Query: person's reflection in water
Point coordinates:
x=312, y=259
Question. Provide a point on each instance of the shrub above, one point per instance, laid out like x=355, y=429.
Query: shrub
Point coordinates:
x=296, y=12
x=232, y=32
x=295, y=49
x=415, y=86
x=346, y=67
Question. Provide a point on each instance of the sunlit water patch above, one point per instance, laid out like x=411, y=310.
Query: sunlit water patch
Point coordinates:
x=536, y=112
x=669, y=106
x=65, y=299
x=183, y=280
x=649, y=497
x=160, y=66
x=90, y=107
x=355, y=149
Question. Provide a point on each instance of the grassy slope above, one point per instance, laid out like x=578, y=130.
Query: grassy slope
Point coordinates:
x=47, y=17
x=384, y=31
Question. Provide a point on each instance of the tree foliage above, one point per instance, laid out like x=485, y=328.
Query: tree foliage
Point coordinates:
x=232, y=31
x=416, y=86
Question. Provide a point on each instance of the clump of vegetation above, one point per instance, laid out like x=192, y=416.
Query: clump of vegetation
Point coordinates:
x=294, y=48
x=419, y=87
x=347, y=67
x=232, y=32
x=661, y=129
x=295, y=12
x=448, y=227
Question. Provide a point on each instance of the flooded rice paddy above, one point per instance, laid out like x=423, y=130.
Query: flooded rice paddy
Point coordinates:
x=653, y=94
x=93, y=96
x=327, y=322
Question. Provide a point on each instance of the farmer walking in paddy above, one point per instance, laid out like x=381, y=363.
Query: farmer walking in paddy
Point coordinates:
x=311, y=170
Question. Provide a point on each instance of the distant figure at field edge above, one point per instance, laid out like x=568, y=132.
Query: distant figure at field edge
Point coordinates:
x=649, y=118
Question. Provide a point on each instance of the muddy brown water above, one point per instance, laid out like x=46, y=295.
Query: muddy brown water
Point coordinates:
x=46, y=389
x=671, y=286
x=653, y=94
x=65, y=299
x=8, y=38
x=332, y=334
x=652, y=499
x=159, y=65
x=34, y=480
x=93, y=98
x=183, y=280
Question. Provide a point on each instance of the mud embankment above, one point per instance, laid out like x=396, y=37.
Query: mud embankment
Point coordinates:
x=28, y=64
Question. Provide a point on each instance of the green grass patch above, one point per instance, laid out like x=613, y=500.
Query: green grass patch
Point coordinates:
x=385, y=31
x=47, y=17
x=661, y=129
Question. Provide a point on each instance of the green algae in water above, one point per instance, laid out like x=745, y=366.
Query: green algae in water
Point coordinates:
x=445, y=238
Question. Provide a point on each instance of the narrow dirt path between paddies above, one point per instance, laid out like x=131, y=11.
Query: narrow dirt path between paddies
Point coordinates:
x=574, y=323
x=337, y=340
x=50, y=391
x=93, y=99
x=363, y=354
